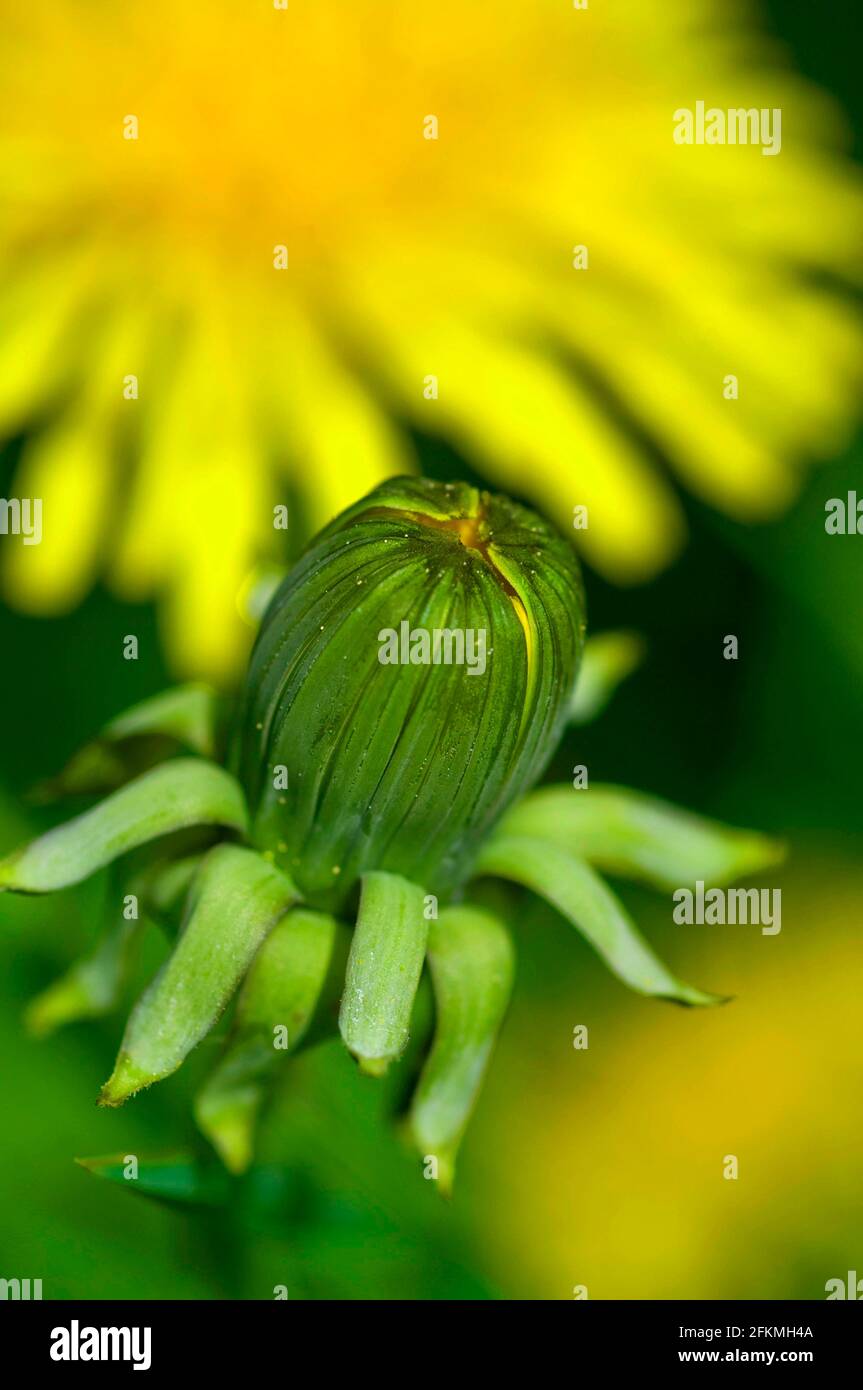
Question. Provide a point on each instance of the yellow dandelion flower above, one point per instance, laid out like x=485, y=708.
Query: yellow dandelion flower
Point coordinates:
x=246, y=250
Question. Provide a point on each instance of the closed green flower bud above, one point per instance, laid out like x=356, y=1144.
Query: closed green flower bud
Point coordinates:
x=409, y=684
x=412, y=677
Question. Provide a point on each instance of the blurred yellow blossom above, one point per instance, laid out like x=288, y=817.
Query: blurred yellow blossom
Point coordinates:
x=616, y=1174
x=245, y=249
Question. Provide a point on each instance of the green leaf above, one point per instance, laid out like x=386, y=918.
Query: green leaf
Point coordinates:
x=384, y=966
x=608, y=660
x=185, y=792
x=176, y=1180
x=639, y=836
x=472, y=963
x=270, y=1198
x=580, y=895
x=236, y=899
x=279, y=998
x=185, y=715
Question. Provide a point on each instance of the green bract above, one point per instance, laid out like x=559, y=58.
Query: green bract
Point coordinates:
x=410, y=682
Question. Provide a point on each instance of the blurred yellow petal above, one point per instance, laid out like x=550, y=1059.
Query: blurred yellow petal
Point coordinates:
x=214, y=547
x=141, y=562
x=339, y=442
x=282, y=236
x=38, y=312
x=196, y=524
x=68, y=468
x=536, y=431
x=182, y=414
x=686, y=1094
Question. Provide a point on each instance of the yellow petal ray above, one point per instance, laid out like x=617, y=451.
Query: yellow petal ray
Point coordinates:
x=535, y=430
x=339, y=442
x=177, y=421
x=738, y=454
x=729, y=314
x=68, y=468
x=200, y=520
x=221, y=499
x=39, y=305
x=409, y=257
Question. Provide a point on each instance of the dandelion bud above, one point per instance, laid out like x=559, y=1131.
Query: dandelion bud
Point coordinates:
x=412, y=676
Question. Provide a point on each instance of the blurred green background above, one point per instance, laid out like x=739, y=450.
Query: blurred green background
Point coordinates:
x=601, y=1168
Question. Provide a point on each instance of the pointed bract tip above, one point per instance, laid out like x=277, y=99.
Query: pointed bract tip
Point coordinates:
x=38, y=1019
x=374, y=1066
x=232, y=1136
x=697, y=999
x=8, y=872
x=237, y=1157
x=763, y=852
x=442, y=1155
x=125, y=1081
x=90, y=1165
x=445, y=1173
